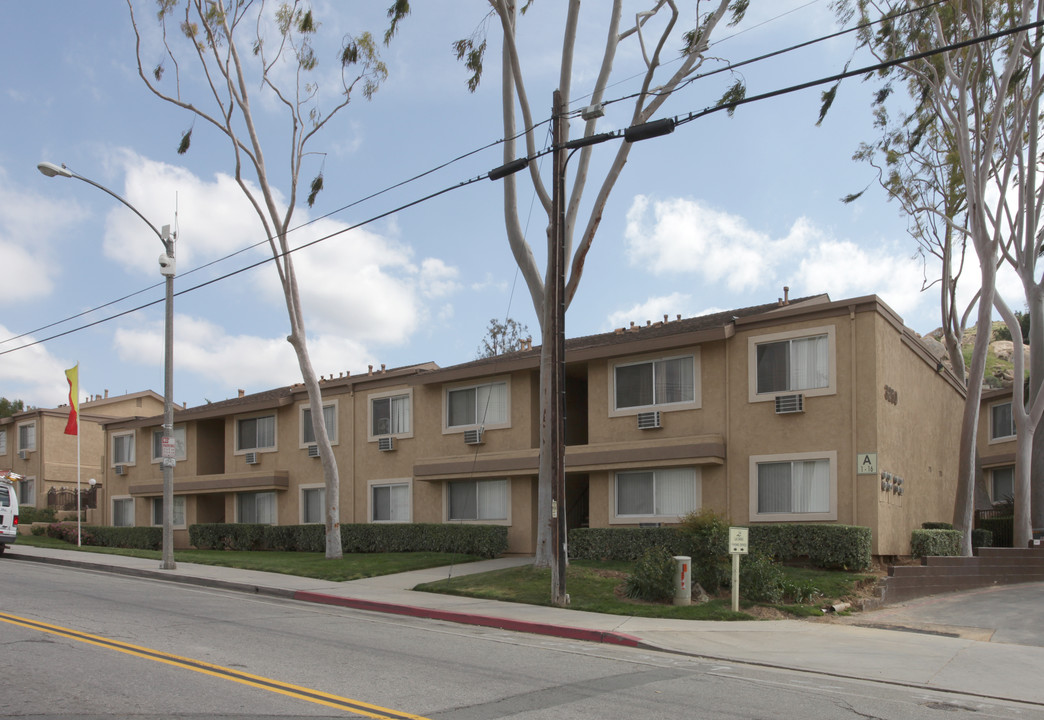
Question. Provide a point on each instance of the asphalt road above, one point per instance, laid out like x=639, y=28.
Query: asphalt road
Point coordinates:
x=94, y=645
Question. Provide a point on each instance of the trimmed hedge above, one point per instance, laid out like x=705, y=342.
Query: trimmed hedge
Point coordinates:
x=139, y=538
x=823, y=545
x=925, y=543
x=483, y=540
x=982, y=538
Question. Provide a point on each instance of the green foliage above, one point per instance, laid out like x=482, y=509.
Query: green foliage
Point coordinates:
x=981, y=537
x=820, y=544
x=707, y=536
x=27, y=515
x=396, y=13
x=472, y=54
x=1002, y=332
x=926, y=543
x=503, y=337
x=936, y=526
x=186, y=140
x=10, y=407
x=652, y=578
x=483, y=540
x=38, y=530
x=732, y=97
x=139, y=538
x=317, y=186
x=823, y=545
x=761, y=578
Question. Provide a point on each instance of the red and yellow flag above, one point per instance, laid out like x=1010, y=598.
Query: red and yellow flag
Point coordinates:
x=72, y=375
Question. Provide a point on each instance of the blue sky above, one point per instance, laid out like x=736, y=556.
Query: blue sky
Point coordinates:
x=722, y=213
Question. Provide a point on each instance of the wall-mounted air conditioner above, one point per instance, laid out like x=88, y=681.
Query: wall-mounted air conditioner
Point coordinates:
x=649, y=420
x=119, y=469
x=786, y=404
x=473, y=437
x=313, y=451
x=251, y=458
x=23, y=454
x=386, y=444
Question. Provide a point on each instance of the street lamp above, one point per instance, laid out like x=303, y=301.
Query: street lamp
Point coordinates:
x=167, y=269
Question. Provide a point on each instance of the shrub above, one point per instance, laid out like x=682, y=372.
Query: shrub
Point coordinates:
x=653, y=576
x=925, y=543
x=142, y=538
x=936, y=526
x=707, y=536
x=761, y=578
x=982, y=538
x=623, y=543
x=483, y=540
x=38, y=530
x=832, y=546
x=27, y=515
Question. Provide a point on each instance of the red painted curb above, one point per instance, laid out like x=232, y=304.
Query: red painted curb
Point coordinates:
x=562, y=631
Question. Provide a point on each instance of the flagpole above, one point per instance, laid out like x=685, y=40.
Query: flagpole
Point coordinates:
x=78, y=495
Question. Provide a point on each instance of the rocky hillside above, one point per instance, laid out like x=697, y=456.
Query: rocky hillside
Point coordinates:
x=1000, y=368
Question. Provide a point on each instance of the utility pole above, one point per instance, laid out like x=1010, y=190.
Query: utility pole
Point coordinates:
x=556, y=299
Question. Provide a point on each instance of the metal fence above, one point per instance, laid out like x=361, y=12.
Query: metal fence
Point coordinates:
x=998, y=521
x=65, y=498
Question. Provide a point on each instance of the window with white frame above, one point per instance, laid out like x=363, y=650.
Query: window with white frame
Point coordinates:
x=27, y=491
x=3, y=442
x=800, y=486
x=477, y=405
x=123, y=449
x=667, y=381
x=390, y=415
x=27, y=436
x=179, y=443
x=661, y=493
x=390, y=502
x=313, y=504
x=179, y=511
x=256, y=507
x=256, y=433
x=1002, y=423
x=5, y=496
x=308, y=429
x=123, y=512
x=1002, y=483
x=482, y=500
x=798, y=361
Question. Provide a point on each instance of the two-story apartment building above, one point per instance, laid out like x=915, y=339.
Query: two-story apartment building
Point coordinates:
x=34, y=445
x=996, y=447
x=803, y=411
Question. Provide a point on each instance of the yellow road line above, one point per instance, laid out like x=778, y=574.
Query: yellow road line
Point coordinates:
x=295, y=691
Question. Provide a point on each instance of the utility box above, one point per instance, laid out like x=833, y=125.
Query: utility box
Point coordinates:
x=682, y=580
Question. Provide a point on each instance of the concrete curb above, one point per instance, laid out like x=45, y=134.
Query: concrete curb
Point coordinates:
x=535, y=628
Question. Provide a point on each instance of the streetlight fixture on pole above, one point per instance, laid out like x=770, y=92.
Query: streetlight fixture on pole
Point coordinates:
x=167, y=269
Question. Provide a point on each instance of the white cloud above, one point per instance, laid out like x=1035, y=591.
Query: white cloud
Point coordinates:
x=33, y=374
x=678, y=235
x=652, y=309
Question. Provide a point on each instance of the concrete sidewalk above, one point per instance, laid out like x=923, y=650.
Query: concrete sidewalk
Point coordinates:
x=907, y=653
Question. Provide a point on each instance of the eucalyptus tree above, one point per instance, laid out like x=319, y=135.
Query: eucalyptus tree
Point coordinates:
x=250, y=55
x=980, y=96
x=670, y=54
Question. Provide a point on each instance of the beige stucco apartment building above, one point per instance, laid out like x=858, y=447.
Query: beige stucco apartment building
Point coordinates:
x=804, y=411
x=33, y=443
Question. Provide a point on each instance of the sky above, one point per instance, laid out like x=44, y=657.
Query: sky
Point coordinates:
x=723, y=213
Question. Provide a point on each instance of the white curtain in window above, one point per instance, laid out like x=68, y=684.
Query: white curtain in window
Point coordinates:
x=266, y=431
x=675, y=491
x=123, y=512
x=266, y=507
x=492, y=404
x=634, y=493
x=3, y=442
x=123, y=449
x=809, y=363
x=399, y=503
x=810, y=486
x=491, y=499
x=400, y=414
x=674, y=381
x=179, y=510
x=27, y=437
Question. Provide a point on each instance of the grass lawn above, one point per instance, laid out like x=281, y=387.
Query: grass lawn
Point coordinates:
x=313, y=565
x=596, y=586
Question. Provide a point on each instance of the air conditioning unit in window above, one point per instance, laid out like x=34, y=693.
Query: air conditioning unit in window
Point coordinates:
x=649, y=420
x=313, y=451
x=786, y=404
x=251, y=458
x=386, y=444
x=119, y=469
x=473, y=437
x=23, y=454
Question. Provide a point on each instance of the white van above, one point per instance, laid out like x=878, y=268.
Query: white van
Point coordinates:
x=8, y=515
